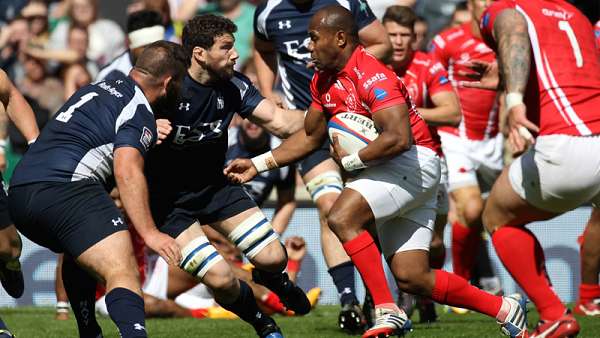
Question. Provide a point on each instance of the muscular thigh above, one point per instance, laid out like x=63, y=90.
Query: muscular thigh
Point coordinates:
x=111, y=254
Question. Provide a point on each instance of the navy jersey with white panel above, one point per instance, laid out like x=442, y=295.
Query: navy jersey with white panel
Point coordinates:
x=78, y=143
x=286, y=25
x=193, y=155
x=260, y=187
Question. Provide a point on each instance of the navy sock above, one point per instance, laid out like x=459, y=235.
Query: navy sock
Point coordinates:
x=81, y=290
x=245, y=307
x=126, y=309
x=343, y=278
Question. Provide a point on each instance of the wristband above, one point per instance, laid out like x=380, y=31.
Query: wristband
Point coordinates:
x=513, y=99
x=293, y=265
x=352, y=162
x=264, y=162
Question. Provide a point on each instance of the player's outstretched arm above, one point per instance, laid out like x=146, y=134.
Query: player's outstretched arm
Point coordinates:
x=133, y=190
x=265, y=61
x=375, y=39
x=277, y=121
x=446, y=110
x=395, y=136
x=17, y=109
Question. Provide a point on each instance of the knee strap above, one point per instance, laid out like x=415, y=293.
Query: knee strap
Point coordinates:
x=325, y=183
x=253, y=234
x=199, y=256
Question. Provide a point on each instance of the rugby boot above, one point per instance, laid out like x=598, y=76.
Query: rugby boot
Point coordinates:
x=515, y=324
x=368, y=309
x=389, y=322
x=563, y=327
x=292, y=297
x=591, y=308
x=351, y=318
x=4, y=333
x=11, y=277
x=268, y=328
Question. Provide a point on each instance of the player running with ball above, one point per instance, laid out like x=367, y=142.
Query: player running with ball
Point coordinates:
x=397, y=188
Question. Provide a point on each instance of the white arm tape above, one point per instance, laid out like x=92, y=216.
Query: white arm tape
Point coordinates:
x=146, y=36
x=352, y=162
x=264, y=162
x=513, y=99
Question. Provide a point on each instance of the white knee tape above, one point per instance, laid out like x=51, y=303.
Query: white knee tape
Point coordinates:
x=327, y=182
x=199, y=256
x=253, y=235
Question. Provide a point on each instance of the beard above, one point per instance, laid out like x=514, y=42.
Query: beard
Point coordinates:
x=224, y=74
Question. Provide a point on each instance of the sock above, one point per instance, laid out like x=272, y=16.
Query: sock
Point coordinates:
x=454, y=290
x=523, y=257
x=81, y=291
x=343, y=278
x=588, y=292
x=272, y=301
x=465, y=242
x=245, y=307
x=436, y=261
x=483, y=263
x=126, y=309
x=367, y=259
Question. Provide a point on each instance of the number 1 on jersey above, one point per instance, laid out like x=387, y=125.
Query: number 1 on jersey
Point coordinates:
x=566, y=27
x=67, y=114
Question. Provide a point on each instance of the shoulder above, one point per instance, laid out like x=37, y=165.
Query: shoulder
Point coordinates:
x=448, y=36
x=262, y=12
x=241, y=82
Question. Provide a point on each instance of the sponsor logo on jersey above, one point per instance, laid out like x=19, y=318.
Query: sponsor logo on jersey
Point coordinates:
x=561, y=14
x=111, y=90
x=285, y=24
x=184, y=106
x=380, y=94
x=206, y=130
x=220, y=103
x=444, y=80
x=359, y=73
x=146, y=139
x=375, y=78
x=297, y=49
x=485, y=20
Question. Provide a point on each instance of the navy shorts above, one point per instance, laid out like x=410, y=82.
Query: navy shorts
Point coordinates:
x=174, y=213
x=315, y=158
x=5, y=220
x=65, y=216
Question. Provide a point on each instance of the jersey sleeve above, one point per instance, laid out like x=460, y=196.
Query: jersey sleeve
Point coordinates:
x=362, y=13
x=138, y=132
x=383, y=93
x=314, y=94
x=438, y=50
x=249, y=94
x=489, y=18
x=260, y=22
x=437, y=79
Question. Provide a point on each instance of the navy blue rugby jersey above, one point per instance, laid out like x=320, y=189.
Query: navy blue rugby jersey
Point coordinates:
x=193, y=155
x=261, y=186
x=78, y=143
x=286, y=25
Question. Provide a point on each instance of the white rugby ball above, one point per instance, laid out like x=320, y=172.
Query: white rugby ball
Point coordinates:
x=354, y=131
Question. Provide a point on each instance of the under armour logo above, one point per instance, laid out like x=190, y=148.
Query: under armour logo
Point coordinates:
x=119, y=81
x=287, y=24
x=346, y=291
x=220, y=103
x=184, y=105
x=117, y=221
x=139, y=327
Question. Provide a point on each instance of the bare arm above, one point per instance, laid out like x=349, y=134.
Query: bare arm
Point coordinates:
x=133, y=190
x=286, y=205
x=514, y=50
x=278, y=121
x=265, y=61
x=395, y=136
x=446, y=111
x=375, y=39
x=17, y=109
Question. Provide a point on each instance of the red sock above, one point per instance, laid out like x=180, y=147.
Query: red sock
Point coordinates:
x=437, y=262
x=272, y=302
x=523, y=257
x=199, y=313
x=465, y=242
x=367, y=260
x=588, y=292
x=456, y=291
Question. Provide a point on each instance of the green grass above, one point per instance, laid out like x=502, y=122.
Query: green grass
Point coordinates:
x=29, y=322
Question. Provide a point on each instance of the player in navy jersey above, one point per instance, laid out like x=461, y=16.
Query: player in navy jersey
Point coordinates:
x=59, y=191
x=281, y=43
x=188, y=188
x=16, y=108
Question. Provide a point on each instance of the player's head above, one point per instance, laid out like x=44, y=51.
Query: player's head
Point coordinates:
x=399, y=22
x=143, y=28
x=332, y=31
x=460, y=15
x=253, y=136
x=421, y=31
x=477, y=7
x=209, y=42
x=159, y=71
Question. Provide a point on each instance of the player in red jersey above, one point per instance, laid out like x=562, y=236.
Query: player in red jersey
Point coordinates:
x=597, y=33
x=551, y=77
x=473, y=150
x=430, y=89
x=396, y=189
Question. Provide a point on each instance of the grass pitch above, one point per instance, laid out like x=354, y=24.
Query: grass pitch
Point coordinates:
x=30, y=322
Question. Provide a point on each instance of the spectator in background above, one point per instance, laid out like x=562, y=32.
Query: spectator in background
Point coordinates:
x=162, y=7
x=242, y=15
x=460, y=15
x=106, y=40
x=421, y=31
x=36, y=14
x=80, y=73
x=379, y=6
x=37, y=85
x=13, y=39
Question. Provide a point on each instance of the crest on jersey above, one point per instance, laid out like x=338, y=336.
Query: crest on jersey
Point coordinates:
x=146, y=139
x=220, y=103
x=380, y=94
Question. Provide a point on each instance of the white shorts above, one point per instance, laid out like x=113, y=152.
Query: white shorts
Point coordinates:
x=443, y=203
x=403, y=188
x=559, y=173
x=472, y=163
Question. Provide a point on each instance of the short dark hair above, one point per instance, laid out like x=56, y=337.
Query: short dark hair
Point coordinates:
x=163, y=58
x=143, y=19
x=461, y=6
x=202, y=30
x=402, y=15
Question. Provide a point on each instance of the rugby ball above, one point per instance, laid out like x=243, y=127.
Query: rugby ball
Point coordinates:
x=354, y=131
